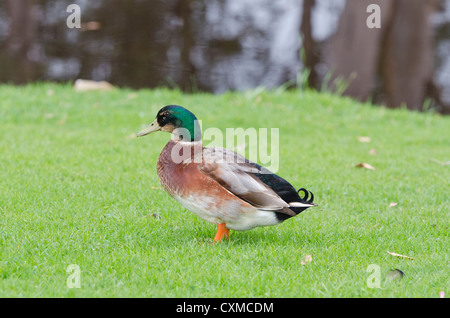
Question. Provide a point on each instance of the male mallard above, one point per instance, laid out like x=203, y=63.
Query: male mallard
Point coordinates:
x=217, y=184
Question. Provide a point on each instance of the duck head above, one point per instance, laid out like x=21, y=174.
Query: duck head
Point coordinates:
x=177, y=120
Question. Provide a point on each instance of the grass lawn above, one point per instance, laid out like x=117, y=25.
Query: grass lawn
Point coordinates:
x=77, y=187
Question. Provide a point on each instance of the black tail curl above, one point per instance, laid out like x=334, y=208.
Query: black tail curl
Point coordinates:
x=309, y=196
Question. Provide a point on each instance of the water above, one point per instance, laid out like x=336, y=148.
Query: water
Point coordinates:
x=210, y=45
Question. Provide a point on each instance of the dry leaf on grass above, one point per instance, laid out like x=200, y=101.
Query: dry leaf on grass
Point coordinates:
x=400, y=255
x=392, y=204
x=308, y=259
x=364, y=139
x=153, y=215
x=365, y=165
x=394, y=274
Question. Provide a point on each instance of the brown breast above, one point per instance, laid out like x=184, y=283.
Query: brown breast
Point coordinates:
x=179, y=174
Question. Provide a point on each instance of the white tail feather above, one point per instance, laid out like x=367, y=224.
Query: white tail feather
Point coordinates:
x=300, y=205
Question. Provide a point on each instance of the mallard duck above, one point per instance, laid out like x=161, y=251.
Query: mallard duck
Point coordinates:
x=217, y=184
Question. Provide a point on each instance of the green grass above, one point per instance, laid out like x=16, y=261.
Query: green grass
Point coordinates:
x=77, y=188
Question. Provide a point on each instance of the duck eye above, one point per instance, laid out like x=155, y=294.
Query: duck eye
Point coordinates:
x=165, y=115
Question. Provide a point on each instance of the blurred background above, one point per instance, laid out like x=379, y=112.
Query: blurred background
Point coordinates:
x=220, y=45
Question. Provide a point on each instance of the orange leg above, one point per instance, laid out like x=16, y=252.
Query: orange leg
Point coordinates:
x=221, y=232
x=227, y=234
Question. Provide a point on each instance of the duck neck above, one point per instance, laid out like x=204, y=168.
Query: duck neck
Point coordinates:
x=187, y=131
x=182, y=152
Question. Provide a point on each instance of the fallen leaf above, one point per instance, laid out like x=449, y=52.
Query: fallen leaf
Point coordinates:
x=365, y=165
x=308, y=259
x=82, y=85
x=400, y=255
x=392, y=204
x=364, y=139
x=395, y=274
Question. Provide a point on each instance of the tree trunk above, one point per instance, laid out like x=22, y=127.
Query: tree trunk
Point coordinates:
x=21, y=68
x=407, y=56
x=311, y=57
x=187, y=80
x=400, y=53
x=354, y=49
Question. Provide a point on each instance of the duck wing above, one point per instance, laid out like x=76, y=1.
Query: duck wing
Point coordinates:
x=252, y=182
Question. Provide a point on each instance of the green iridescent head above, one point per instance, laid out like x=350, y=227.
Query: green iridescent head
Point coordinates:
x=177, y=120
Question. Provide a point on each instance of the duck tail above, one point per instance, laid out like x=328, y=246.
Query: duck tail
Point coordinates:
x=306, y=201
x=308, y=197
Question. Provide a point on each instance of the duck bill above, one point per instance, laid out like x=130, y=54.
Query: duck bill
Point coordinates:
x=151, y=128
